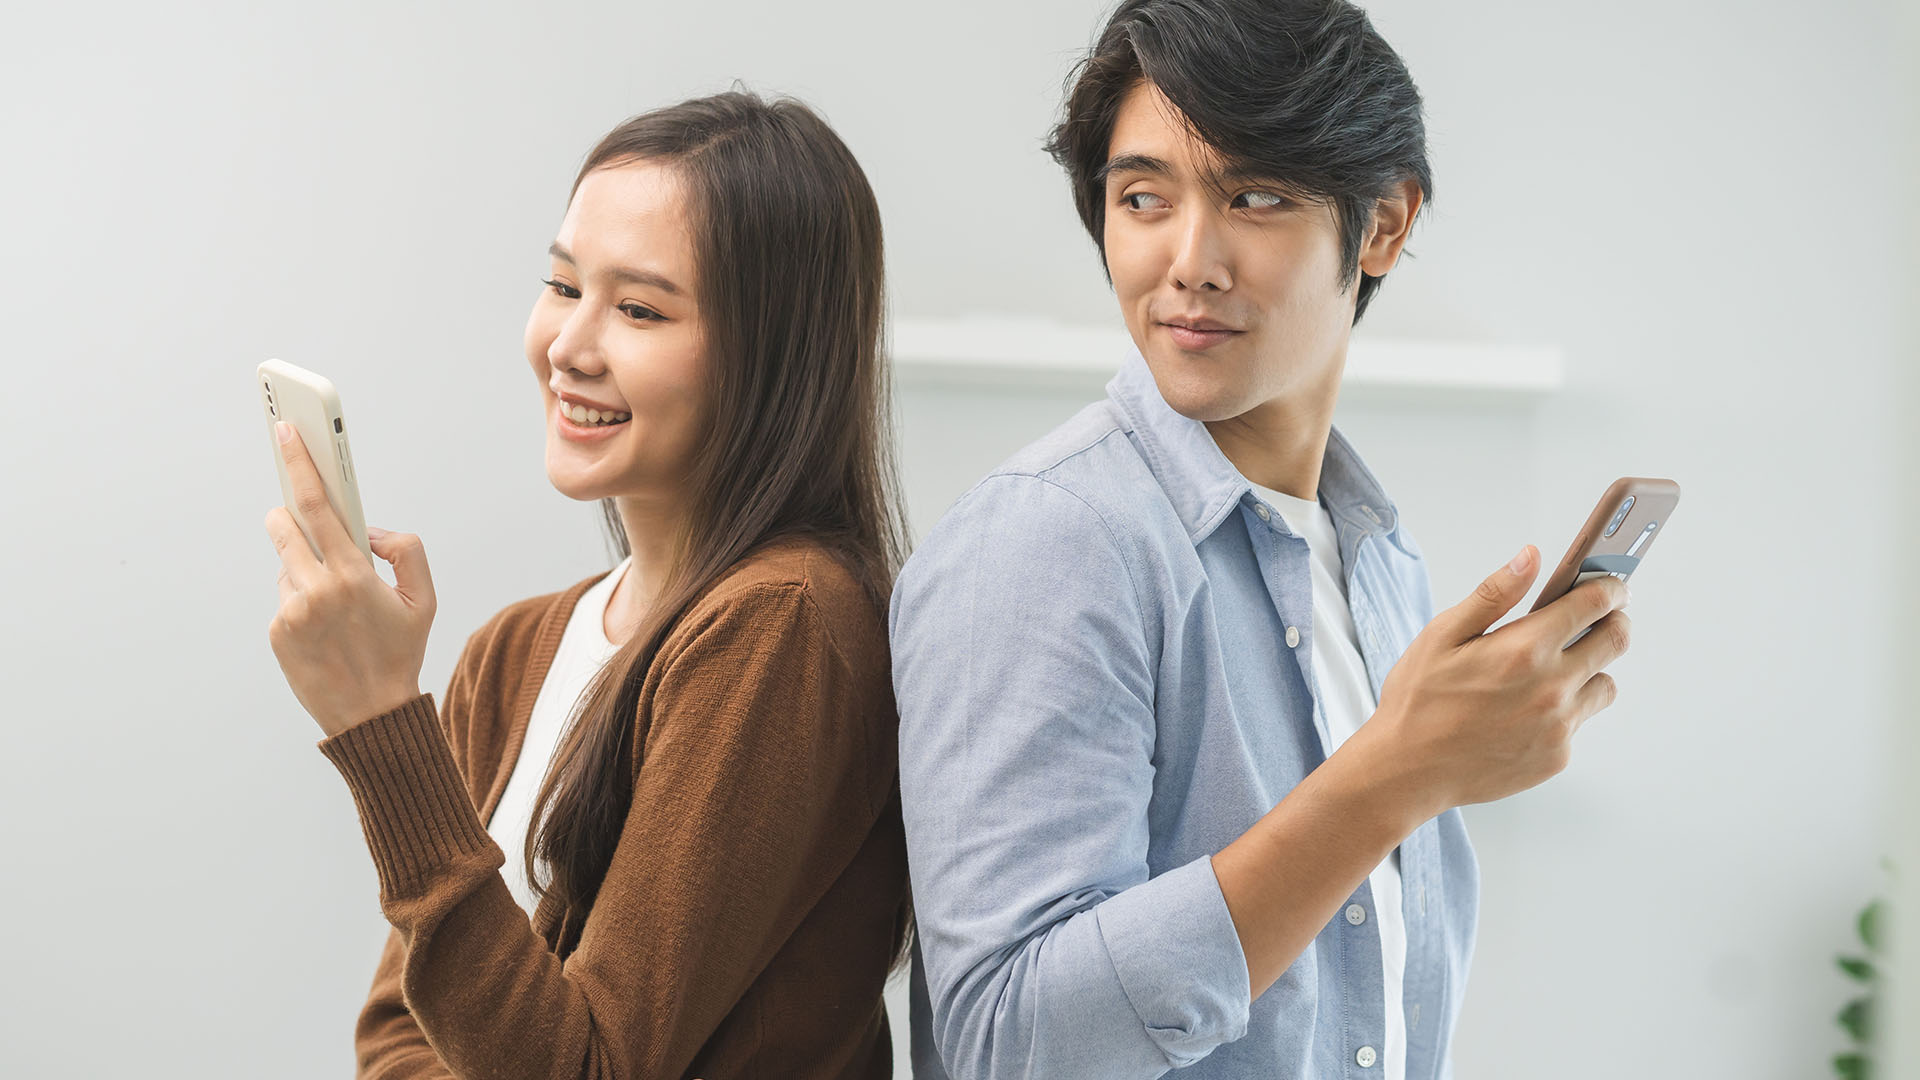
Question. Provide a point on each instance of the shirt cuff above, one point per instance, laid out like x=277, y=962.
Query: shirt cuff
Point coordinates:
x=414, y=807
x=1185, y=974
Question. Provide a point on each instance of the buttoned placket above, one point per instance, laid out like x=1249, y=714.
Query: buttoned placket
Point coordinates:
x=1270, y=535
x=1267, y=536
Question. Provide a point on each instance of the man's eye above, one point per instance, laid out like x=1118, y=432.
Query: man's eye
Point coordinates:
x=1260, y=200
x=1132, y=200
x=565, y=290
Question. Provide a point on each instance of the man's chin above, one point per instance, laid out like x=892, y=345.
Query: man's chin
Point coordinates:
x=1198, y=395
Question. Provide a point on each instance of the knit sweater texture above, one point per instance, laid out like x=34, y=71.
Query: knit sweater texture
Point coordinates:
x=745, y=926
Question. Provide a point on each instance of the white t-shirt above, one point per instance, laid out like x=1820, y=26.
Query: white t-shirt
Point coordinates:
x=1344, y=702
x=583, y=650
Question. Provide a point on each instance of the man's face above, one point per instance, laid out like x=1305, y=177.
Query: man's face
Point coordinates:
x=1231, y=292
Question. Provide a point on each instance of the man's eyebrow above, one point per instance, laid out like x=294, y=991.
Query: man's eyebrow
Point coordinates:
x=1241, y=174
x=1145, y=163
x=621, y=273
x=1227, y=174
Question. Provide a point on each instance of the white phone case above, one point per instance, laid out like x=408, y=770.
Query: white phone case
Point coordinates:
x=309, y=402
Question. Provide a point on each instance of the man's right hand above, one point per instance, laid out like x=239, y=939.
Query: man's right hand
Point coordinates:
x=1476, y=716
x=1465, y=716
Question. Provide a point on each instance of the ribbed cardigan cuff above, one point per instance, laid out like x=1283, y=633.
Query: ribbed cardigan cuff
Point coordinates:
x=413, y=804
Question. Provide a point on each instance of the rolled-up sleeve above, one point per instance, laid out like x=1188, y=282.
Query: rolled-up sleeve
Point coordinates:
x=1024, y=653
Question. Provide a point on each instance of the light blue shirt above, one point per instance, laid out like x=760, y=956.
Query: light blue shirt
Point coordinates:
x=1097, y=693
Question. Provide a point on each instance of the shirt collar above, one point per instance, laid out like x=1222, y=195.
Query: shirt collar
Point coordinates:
x=1204, y=486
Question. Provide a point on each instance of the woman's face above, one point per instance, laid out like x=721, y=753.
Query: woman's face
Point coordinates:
x=618, y=325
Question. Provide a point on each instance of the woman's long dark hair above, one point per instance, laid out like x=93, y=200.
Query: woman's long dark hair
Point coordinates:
x=788, y=255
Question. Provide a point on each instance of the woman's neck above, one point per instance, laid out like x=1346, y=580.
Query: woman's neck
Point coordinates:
x=651, y=547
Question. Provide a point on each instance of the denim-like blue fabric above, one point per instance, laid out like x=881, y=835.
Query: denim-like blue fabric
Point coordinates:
x=1095, y=696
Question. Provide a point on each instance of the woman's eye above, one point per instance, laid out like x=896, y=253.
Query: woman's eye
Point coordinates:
x=632, y=311
x=1132, y=200
x=1260, y=200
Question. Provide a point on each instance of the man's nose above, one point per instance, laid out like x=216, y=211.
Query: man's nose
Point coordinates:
x=1199, y=256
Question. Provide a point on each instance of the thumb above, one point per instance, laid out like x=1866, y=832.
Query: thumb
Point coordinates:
x=1493, y=597
x=408, y=557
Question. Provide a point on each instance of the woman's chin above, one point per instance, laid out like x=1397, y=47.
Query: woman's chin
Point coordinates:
x=570, y=480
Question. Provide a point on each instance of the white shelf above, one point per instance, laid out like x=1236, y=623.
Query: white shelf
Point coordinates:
x=1014, y=353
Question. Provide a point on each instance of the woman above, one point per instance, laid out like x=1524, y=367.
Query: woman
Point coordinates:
x=705, y=871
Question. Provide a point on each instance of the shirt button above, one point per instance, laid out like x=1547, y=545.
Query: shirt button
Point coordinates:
x=1262, y=512
x=1356, y=914
x=1293, y=636
x=1365, y=1057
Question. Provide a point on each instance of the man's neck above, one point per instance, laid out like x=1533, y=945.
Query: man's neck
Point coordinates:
x=1279, y=444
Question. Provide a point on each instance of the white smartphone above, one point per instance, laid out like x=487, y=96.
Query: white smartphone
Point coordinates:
x=308, y=401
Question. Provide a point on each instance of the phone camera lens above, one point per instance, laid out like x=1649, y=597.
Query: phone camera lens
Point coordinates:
x=1619, y=516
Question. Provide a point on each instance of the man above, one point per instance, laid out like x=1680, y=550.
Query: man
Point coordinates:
x=1182, y=740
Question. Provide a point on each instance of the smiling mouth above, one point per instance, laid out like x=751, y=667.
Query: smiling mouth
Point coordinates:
x=1195, y=338
x=589, y=418
x=1201, y=322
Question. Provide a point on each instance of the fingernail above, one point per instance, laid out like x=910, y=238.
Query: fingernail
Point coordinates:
x=1519, y=563
x=281, y=429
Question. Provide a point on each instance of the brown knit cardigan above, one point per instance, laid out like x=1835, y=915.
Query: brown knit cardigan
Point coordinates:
x=746, y=924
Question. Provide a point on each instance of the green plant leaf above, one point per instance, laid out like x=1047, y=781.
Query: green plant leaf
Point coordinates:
x=1857, y=1018
x=1870, y=925
x=1855, y=966
x=1852, y=1066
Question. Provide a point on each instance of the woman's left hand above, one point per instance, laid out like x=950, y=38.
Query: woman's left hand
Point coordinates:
x=350, y=644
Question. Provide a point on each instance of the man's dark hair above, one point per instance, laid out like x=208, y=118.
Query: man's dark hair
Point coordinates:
x=1303, y=92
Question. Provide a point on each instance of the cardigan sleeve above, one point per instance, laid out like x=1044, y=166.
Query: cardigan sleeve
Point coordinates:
x=387, y=1042
x=756, y=792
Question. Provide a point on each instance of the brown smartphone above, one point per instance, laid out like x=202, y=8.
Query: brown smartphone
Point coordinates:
x=1622, y=526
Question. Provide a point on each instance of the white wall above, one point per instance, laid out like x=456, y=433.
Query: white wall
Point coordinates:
x=1689, y=199
x=1902, y=821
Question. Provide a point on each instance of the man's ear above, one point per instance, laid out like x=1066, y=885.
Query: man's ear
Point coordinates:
x=1393, y=217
